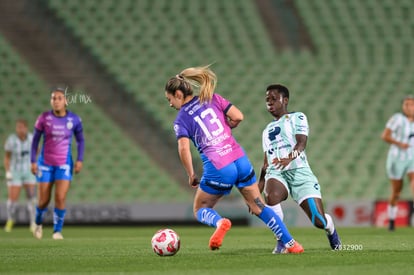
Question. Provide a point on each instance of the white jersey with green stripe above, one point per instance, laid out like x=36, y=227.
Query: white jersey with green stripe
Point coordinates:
x=402, y=131
x=20, y=152
x=279, y=139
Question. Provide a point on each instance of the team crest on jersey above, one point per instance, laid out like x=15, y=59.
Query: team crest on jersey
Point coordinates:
x=273, y=133
x=69, y=124
x=176, y=127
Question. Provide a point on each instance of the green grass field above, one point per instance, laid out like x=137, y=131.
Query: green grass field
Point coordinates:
x=245, y=251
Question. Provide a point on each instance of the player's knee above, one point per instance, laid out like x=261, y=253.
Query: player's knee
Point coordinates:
x=273, y=198
x=60, y=201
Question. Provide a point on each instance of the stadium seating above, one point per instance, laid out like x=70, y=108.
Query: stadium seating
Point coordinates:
x=348, y=88
x=115, y=169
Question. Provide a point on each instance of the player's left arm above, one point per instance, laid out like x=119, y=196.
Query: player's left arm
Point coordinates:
x=234, y=116
x=80, y=142
x=261, y=183
x=301, y=131
x=300, y=146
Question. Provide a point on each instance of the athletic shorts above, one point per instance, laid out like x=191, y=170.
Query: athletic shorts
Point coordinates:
x=239, y=173
x=397, y=169
x=20, y=178
x=301, y=183
x=50, y=173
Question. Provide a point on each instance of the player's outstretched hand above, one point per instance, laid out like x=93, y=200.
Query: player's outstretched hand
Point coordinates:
x=193, y=181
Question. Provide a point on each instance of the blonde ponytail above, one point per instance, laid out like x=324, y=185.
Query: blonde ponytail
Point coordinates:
x=202, y=78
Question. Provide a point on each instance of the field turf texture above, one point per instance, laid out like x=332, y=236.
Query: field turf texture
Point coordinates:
x=246, y=250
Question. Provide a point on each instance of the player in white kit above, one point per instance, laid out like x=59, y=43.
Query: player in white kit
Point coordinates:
x=399, y=133
x=286, y=169
x=18, y=174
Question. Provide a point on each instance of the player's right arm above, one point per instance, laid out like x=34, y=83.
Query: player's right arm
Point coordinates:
x=263, y=173
x=6, y=162
x=7, y=159
x=184, y=153
x=34, y=149
x=387, y=137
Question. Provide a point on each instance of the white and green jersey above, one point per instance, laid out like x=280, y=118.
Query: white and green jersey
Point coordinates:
x=20, y=152
x=279, y=139
x=402, y=131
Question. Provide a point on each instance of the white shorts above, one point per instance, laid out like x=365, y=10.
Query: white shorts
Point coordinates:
x=20, y=178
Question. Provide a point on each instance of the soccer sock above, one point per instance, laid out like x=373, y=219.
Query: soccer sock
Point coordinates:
x=208, y=216
x=330, y=227
x=58, y=218
x=278, y=210
x=272, y=220
x=31, y=208
x=392, y=211
x=11, y=209
x=39, y=215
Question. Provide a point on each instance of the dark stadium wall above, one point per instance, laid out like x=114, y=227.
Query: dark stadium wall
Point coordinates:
x=284, y=25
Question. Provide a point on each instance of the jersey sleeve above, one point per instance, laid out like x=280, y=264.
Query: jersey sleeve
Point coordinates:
x=39, y=123
x=393, y=123
x=180, y=130
x=222, y=102
x=301, y=124
x=8, y=145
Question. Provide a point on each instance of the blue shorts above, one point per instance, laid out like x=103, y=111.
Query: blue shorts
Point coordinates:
x=50, y=173
x=239, y=173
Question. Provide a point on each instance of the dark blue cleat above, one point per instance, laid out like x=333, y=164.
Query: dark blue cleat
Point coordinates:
x=334, y=241
x=280, y=248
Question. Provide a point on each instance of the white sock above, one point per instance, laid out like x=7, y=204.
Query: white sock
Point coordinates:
x=330, y=227
x=277, y=208
x=392, y=211
x=31, y=208
x=11, y=209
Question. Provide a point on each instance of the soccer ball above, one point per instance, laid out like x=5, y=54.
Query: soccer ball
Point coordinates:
x=165, y=242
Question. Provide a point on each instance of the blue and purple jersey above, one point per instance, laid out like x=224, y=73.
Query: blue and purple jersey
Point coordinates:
x=57, y=138
x=206, y=125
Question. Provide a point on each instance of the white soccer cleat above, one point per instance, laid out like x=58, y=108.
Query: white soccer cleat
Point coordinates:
x=32, y=227
x=38, y=232
x=57, y=236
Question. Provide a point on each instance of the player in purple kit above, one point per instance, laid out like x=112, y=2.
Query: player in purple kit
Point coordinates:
x=55, y=165
x=207, y=120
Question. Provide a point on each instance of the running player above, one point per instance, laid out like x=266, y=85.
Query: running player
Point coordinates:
x=399, y=133
x=55, y=165
x=17, y=165
x=207, y=120
x=285, y=169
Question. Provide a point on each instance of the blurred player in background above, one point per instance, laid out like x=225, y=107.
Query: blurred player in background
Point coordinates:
x=17, y=166
x=286, y=169
x=399, y=132
x=55, y=165
x=207, y=120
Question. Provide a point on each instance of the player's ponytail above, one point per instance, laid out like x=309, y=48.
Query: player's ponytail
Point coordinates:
x=203, y=79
